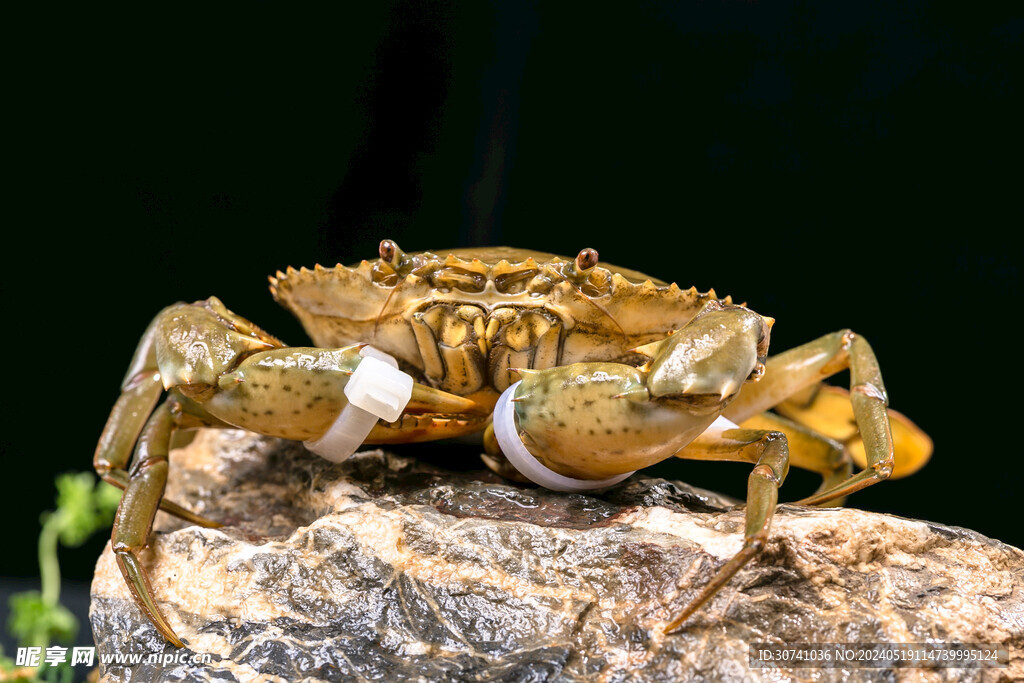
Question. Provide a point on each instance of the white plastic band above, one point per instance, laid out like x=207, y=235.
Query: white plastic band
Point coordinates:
x=512, y=446
x=720, y=425
x=376, y=390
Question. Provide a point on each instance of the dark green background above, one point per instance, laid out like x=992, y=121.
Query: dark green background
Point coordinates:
x=834, y=166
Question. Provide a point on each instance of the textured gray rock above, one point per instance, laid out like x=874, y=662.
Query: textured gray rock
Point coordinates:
x=384, y=568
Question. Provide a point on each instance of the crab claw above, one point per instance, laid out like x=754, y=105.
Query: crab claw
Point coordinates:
x=574, y=420
x=711, y=356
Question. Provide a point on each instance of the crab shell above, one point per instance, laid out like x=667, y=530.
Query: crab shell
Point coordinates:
x=462, y=320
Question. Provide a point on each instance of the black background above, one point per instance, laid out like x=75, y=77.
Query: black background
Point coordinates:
x=834, y=166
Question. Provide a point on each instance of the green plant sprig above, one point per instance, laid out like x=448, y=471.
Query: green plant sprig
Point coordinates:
x=84, y=506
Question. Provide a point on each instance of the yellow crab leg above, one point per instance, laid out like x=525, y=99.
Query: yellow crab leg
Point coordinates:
x=770, y=453
x=828, y=410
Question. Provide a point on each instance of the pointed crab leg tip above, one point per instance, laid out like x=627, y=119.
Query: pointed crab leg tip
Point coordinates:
x=138, y=586
x=673, y=630
x=676, y=625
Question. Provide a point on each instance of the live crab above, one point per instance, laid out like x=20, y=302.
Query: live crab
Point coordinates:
x=616, y=371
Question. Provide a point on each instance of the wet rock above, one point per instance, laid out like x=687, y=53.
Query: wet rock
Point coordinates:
x=385, y=568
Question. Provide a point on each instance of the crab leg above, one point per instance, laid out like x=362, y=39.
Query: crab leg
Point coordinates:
x=134, y=520
x=827, y=410
x=808, y=450
x=770, y=453
x=798, y=368
x=144, y=489
x=140, y=391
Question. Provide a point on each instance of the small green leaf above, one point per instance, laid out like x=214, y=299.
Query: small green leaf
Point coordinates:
x=32, y=618
x=75, y=507
x=83, y=506
x=108, y=497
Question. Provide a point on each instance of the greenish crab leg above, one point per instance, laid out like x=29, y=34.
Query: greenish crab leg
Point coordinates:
x=120, y=479
x=808, y=450
x=138, y=507
x=803, y=366
x=140, y=390
x=138, y=397
x=770, y=453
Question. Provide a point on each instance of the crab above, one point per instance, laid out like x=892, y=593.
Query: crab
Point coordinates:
x=574, y=372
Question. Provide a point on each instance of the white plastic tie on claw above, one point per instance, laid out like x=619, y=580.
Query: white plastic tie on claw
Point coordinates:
x=516, y=452
x=720, y=425
x=377, y=390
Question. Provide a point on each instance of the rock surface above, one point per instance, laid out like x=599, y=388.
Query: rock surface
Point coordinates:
x=384, y=568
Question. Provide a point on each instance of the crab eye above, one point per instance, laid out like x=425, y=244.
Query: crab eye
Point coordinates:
x=586, y=259
x=388, y=251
